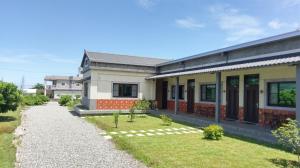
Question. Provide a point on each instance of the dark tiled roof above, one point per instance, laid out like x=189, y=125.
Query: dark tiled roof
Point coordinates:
x=123, y=59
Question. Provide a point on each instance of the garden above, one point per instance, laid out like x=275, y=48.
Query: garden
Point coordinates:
x=160, y=142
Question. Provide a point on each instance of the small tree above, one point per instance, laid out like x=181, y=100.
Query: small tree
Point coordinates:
x=131, y=115
x=38, y=86
x=64, y=100
x=116, y=118
x=142, y=105
x=10, y=97
x=289, y=136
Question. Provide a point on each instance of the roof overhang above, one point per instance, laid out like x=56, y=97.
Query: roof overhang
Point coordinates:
x=278, y=61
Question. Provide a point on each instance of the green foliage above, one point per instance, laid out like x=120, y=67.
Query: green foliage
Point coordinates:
x=64, y=100
x=142, y=105
x=38, y=86
x=131, y=115
x=31, y=100
x=214, y=132
x=10, y=97
x=71, y=104
x=289, y=136
x=166, y=119
x=288, y=97
x=116, y=118
x=77, y=97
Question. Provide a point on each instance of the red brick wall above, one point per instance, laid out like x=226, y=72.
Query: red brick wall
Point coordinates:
x=267, y=116
x=205, y=109
x=114, y=104
x=182, y=106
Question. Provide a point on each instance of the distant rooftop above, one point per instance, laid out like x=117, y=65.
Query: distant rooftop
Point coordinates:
x=123, y=59
x=50, y=78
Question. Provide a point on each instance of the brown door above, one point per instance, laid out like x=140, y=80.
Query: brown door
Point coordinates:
x=164, y=94
x=232, y=97
x=251, y=98
x=190, y=95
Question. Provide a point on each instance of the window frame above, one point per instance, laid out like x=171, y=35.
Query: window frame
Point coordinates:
x=268, y=95
x=173, y=90
x=131, y=84
x=202, y=99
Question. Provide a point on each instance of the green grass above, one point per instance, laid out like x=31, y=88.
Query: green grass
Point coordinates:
x=8, y=122
x=191, y=150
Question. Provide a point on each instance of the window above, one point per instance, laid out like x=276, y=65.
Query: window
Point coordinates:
x=63, y=84
x=125, y=90
x=86, y=88
x=181, y=92
x=282, y=94
x=77, y=84
x=208, y=92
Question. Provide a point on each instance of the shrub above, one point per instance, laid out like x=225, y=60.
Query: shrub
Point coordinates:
x=289, y=136
x=131, y=115
x=214, y=132
x=71, y=104
x=31, y=100
x=166, y=119
x=64, y=100
x=10, y=97
x=116, y=118
x=142, y=105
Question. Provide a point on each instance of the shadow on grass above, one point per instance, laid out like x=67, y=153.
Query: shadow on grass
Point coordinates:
x=285, y=163
x=7, y=118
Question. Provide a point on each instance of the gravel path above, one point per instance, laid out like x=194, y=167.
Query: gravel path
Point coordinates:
x=55, y=138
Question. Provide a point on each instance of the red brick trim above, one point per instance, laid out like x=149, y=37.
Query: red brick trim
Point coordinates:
x=114, y=104
x=205, y=109
x=267, y=117
x=182, y=106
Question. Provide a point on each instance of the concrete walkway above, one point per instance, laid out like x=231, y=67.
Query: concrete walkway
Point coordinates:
x=53, y=137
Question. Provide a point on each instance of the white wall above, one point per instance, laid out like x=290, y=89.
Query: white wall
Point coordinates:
x=266, y=74
x=102, y=81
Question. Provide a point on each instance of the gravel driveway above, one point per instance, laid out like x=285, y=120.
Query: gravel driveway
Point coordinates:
x=55, y=138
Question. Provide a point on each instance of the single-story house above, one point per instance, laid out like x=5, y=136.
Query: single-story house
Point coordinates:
x=255, y=82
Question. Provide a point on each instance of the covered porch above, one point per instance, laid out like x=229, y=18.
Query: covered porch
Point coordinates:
x=249, y=93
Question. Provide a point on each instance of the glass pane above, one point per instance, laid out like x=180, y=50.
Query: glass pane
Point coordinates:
x=115, y=90
x=181, y=92
x=173, y=92
x=273, y=87
x=273, y=99
x=287, y=94
x=134, y=91
x=203, y=92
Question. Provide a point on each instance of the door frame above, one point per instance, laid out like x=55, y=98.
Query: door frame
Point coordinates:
x=164, y=95
x=190, y=104
x=227, y=97
x=245, y=99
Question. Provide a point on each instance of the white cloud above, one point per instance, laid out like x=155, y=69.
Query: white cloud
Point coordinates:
x=277, y=24
x=146, y=4
x=239, y=27
x=189, y=23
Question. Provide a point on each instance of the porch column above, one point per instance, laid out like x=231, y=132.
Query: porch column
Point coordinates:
x=298, y=93
x=218, y=97
x=177, y=95
x=45, y=88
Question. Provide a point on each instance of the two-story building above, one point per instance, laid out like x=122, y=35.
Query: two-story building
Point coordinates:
x=57, y=86
x=254, y=82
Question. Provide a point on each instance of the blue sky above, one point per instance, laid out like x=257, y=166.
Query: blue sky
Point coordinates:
x=48, y=37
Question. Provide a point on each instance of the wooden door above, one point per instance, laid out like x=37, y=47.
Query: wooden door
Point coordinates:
x=251, y=98
x=164, y=95
x=190, y=95
x=232, y=97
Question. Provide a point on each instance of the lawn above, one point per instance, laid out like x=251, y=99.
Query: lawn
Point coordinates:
x=191, y=150
x=8, y=122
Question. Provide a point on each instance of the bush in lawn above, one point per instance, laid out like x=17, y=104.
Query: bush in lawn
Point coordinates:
x=131, y=115
x=142, y=105
x=71, y=104
x=214, y=132
x=166, y=119
x=116, y=118
x=289, y=136
x=10, y=97
x=31, y=100
x=64, y=100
